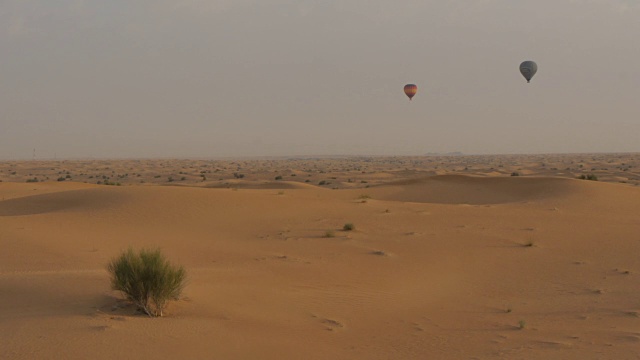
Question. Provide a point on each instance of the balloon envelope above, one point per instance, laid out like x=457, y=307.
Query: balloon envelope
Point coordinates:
x=410, y=90
x=528, y=69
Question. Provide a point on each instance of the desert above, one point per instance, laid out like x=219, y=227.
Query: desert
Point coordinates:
x=357, y=180
x=450, y=257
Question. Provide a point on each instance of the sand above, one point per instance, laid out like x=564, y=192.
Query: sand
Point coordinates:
x=454, y=265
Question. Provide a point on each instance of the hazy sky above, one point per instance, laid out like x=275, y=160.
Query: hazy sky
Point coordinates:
x=208, y=78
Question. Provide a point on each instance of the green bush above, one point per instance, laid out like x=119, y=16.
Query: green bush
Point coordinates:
x=146, y=279
x=348, y=227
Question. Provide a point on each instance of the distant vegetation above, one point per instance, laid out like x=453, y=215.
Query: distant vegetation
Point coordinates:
x=329, y=234
x=334, y=173
x=521, y=324
x=591, y=177
x=107, y=182
x=146, y=279
x=348, y=227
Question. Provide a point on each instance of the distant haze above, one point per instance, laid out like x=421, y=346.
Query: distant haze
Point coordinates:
x=206, y=78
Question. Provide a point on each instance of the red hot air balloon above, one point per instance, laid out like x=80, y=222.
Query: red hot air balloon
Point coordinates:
x=410, y=90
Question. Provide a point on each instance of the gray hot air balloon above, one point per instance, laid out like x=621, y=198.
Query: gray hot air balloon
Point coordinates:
x=528, y=69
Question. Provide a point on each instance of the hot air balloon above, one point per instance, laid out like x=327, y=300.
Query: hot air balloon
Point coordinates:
x=528, y=69
x=410, y=90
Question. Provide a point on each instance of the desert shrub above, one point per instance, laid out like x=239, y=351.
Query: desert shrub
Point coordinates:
x=591, y=177
x=521, y=324
x=348, y=227
x=62, y=178
x=146, y=279
x=32, y=180
x=515, y=174
x=279, y=177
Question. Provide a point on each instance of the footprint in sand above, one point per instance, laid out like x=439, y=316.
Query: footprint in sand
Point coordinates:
x=379, y=253
x=332, y=325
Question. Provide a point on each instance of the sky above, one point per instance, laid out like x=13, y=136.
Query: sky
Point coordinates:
x=237, y=78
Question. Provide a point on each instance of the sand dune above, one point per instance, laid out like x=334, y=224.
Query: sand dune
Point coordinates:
x=460, y=189
x=443, y=267
x=239, y=184
x=71, y=200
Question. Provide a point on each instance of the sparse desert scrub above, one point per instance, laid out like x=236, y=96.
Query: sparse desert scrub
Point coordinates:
x=146, y=279
x=348, y=227
x=329, y=234
x=107, y=182
x=591, y=177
